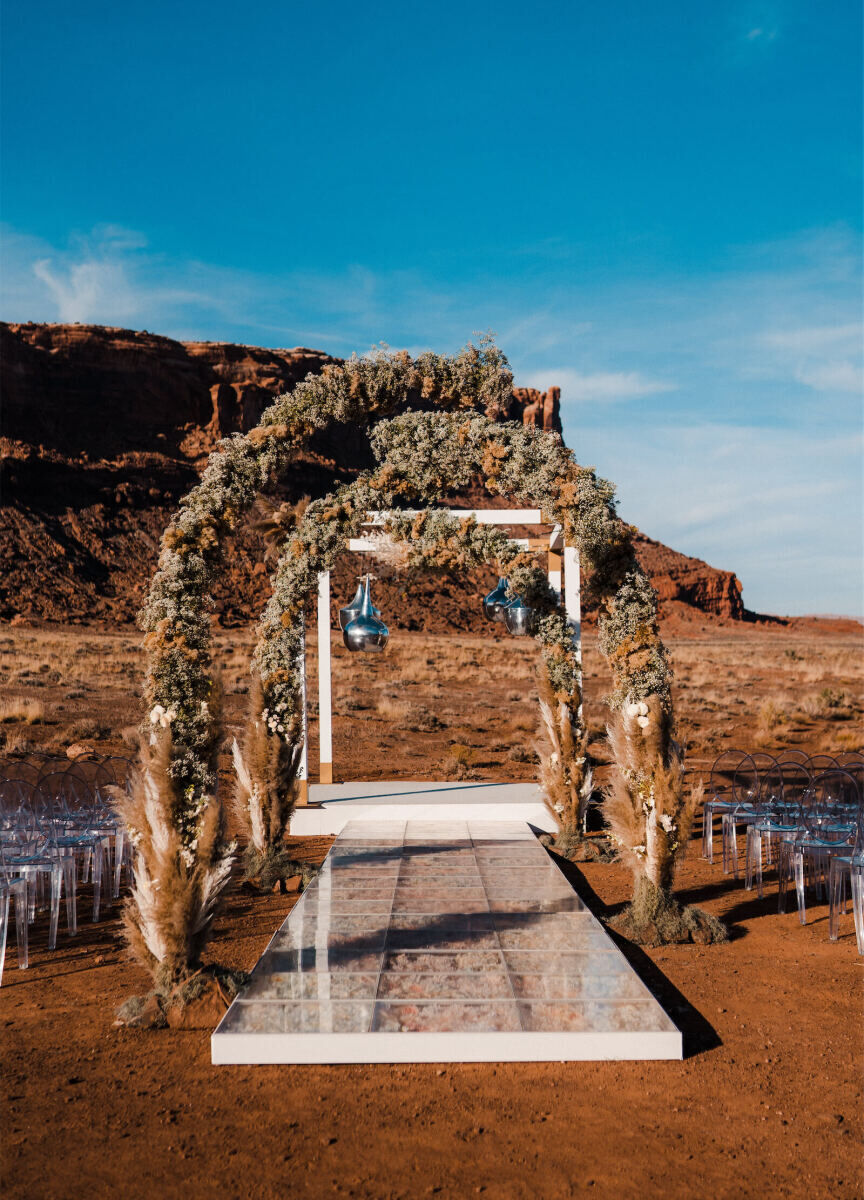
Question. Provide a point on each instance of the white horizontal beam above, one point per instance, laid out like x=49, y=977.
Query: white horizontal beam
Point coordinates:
x=483, y=516
x=370, y=545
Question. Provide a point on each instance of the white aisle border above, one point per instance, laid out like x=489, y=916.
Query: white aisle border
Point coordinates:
x=563, y=570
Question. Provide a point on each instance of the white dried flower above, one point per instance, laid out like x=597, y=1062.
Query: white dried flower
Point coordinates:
x=643, y=722
x=667, y=822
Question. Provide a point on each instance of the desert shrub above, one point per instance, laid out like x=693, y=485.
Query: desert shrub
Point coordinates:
x=29, y=712
x=850, y=739
x=19, y=745
x=829, y=704
x=88, y=727
x=421, y=720
x=771, y=715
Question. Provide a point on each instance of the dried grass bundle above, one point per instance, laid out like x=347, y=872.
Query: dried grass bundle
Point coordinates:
x=178, y=888
x=646, y=806
x=266, y=788
x=566, y=776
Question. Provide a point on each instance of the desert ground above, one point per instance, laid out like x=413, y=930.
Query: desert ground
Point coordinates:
x=768, y=1098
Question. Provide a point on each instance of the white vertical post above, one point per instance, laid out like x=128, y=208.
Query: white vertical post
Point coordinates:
x=325, y=689
x=303, y=770
x=573, y=605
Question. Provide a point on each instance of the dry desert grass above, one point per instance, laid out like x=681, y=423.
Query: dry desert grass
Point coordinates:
x=438, y=706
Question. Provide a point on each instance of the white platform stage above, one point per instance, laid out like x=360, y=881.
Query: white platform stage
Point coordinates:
x=331, y=805
x=442, y=939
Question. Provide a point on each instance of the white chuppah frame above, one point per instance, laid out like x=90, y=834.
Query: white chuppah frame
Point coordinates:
x=563, y=570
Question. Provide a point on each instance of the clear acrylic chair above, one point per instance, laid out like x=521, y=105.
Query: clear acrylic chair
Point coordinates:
x=793, y=756
x=852, y=866
x=30, y=857
x=721, y=798
x=746, y=786
x=64, y=800
x=115, y=773
x=781, y=797
x=828, y=825
x=818, y=763
x=13, y=890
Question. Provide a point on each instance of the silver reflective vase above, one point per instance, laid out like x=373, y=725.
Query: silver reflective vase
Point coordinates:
x=366, y=632
x=496, y=601
x=517, y=617
x=352, y=610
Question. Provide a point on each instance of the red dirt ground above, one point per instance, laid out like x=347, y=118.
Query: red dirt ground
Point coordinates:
x=767, y=1100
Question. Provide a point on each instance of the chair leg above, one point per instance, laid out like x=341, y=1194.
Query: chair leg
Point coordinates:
x=56, y=893
x=857, y=889
x=798, y=862
x=118, y=861
x=708, y=833
x=783, y=852
x=836, y=889
x=724, y=840
x=749, y=856
x=730, y=844
x=4, y=925
x=754, y=859
x=21, y=931
x=32, y=878
x=97, y=853
x=70, y=882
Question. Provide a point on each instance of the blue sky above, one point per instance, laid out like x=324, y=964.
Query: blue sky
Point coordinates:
x=656, y=206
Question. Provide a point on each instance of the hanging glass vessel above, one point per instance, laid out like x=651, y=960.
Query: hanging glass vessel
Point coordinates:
x=352, y=610
x=497, y=600
x=366, y=632
x=517, y=617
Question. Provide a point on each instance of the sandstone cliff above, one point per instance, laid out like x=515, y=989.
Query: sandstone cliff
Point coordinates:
x=104, y=429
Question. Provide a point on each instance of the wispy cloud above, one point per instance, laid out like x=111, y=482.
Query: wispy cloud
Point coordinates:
x=599, y=386
x=843, y=339
x=834, y=377
x=759, y=34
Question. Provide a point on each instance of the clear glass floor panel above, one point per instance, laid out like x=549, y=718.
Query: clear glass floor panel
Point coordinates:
x=414, y=934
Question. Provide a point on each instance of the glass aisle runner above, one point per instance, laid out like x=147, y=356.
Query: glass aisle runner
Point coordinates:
x=442, y=942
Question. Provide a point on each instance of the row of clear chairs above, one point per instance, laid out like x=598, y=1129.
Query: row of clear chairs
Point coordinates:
x=58, y=828
x=803, y=814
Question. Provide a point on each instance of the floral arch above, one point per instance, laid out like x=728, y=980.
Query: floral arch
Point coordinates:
x=175, y=815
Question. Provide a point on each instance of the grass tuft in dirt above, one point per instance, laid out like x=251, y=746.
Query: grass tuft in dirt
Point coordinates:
x=195, y=1001
x=274, y=865
x=655, y=918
